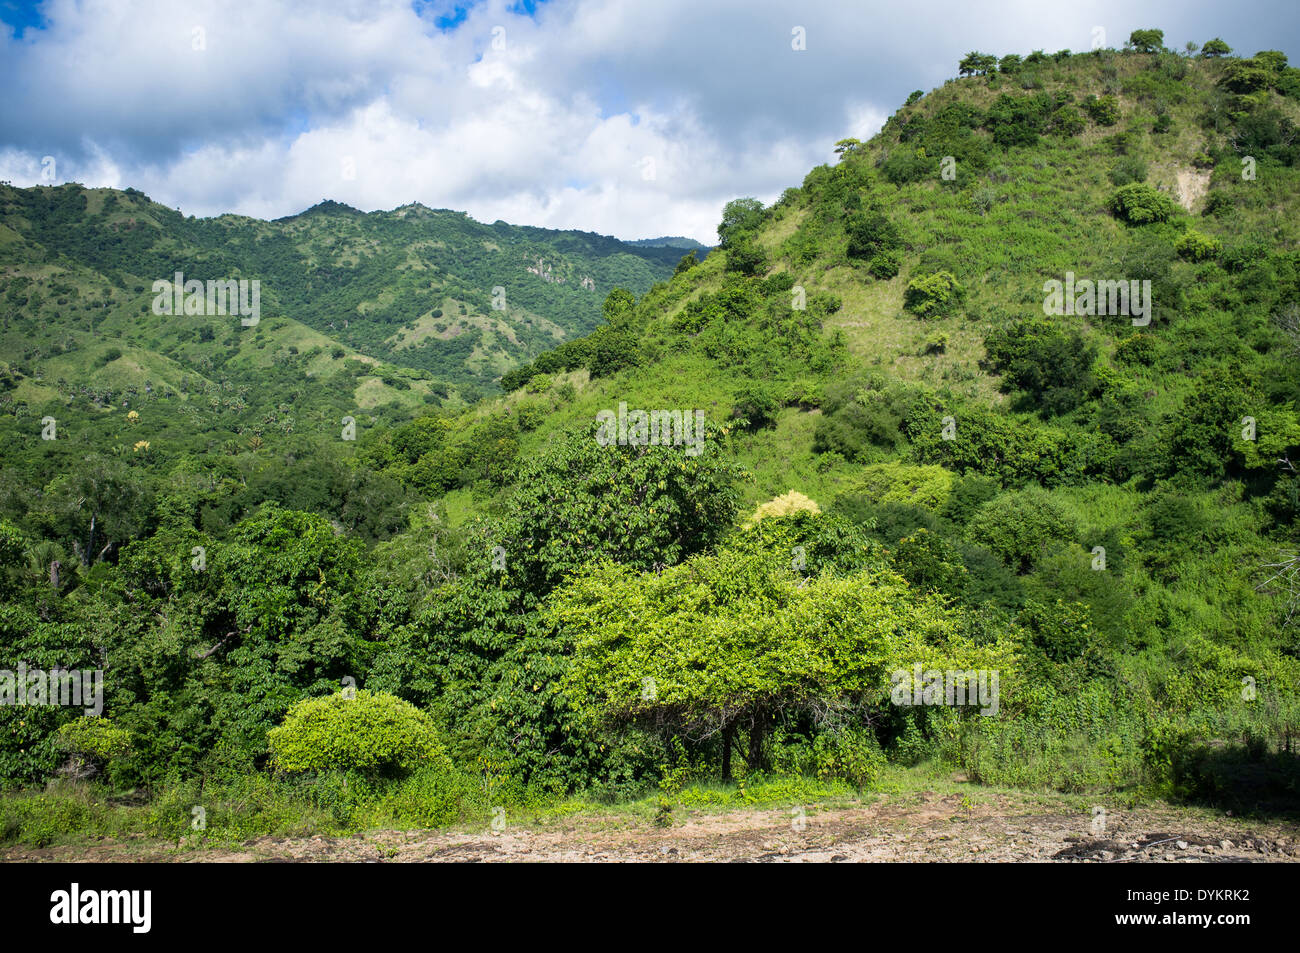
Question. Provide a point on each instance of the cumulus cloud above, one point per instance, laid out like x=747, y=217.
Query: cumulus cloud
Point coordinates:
x=615, y=116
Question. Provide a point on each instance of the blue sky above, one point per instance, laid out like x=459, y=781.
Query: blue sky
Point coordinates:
x=617, y=116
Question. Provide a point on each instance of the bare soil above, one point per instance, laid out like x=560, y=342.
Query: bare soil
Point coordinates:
x=905, y=828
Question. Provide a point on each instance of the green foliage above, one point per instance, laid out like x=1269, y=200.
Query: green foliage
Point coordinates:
x=739, y=217
x=1127, y=170
x=1147, y=41
x=896, y=482
x=1195, y=246
x=1052, y=367
x=357, y=730
x=515, y=580
x=872, y=234
x=975, y=64
x=1140, y=204
x=764, y=651
x=1103, y=110
x=933, y=295
x=1021, y=525
x=95, y=738
x=756, y=404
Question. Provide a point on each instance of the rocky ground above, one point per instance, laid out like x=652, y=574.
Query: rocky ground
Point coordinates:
x=913, y=827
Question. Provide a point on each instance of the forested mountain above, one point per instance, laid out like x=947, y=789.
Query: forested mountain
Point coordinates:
x=413, y=287
x=1010, y=389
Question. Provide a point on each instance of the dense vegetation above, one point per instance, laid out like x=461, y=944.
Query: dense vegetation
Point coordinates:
x=1103, y=511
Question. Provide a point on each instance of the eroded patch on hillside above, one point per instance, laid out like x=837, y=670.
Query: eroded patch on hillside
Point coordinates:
x=1192, y=186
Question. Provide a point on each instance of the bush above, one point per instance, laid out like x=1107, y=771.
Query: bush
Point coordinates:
x=870, y=234
x=746, y=257
x=1019, y=525
x=1051, y=366
x=1140, y=204
x=1104, y=111
x=92, y=743
x=371, y=731
x=757, y=404
x=884, y=265
x=1194, y=246
x=925, y=486
x=1129, y=169
x=934, y=295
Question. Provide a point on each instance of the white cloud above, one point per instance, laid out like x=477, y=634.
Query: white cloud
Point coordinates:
x=259, y=112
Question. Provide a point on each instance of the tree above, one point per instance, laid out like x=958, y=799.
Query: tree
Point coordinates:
x=870, y=233
x=1053, y=367
x=739, y=218
x=1215, y=48
x=769, y=649
x=848, y=147
x=1020, y=525
x=977, y=64
x=1147, y=41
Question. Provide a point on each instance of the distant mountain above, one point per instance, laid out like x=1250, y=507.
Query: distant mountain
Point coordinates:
x=671, y=241
x=412, y=287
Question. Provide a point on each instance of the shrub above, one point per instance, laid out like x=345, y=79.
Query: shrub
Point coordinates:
x=1129, y=169
x=371, y=731
x=1104, y=111
x=91, y=743
x=930, y=563
x=1140, y=204
x=746, y=257
x=935, y=344
x=902, y=166
x=757, y=404
x=1051, y=366
x=871, y=233
x=785, y=505
x=884, y=265
x=934, y=295
x=1019, y=525
x=925, y=486
x=1195, y=246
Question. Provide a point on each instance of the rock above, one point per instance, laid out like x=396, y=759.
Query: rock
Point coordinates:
x=1171, y=856
x=1182, y=845
x=1225, y=844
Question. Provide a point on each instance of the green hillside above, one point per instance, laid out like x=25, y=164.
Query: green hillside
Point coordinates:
x=412, y=287
x=911, y=460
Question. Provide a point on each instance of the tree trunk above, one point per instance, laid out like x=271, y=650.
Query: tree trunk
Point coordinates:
x=726, y=752
x=755, y=757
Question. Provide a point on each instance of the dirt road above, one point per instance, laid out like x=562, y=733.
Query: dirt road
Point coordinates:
x=899, y=828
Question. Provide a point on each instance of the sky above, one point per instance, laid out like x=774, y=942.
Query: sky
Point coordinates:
x=633, y=118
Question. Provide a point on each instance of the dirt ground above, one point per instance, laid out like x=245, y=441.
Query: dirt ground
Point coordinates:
x=903, y=828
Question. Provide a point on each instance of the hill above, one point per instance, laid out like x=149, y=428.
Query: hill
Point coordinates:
x=413, y=288
x=974, y=453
